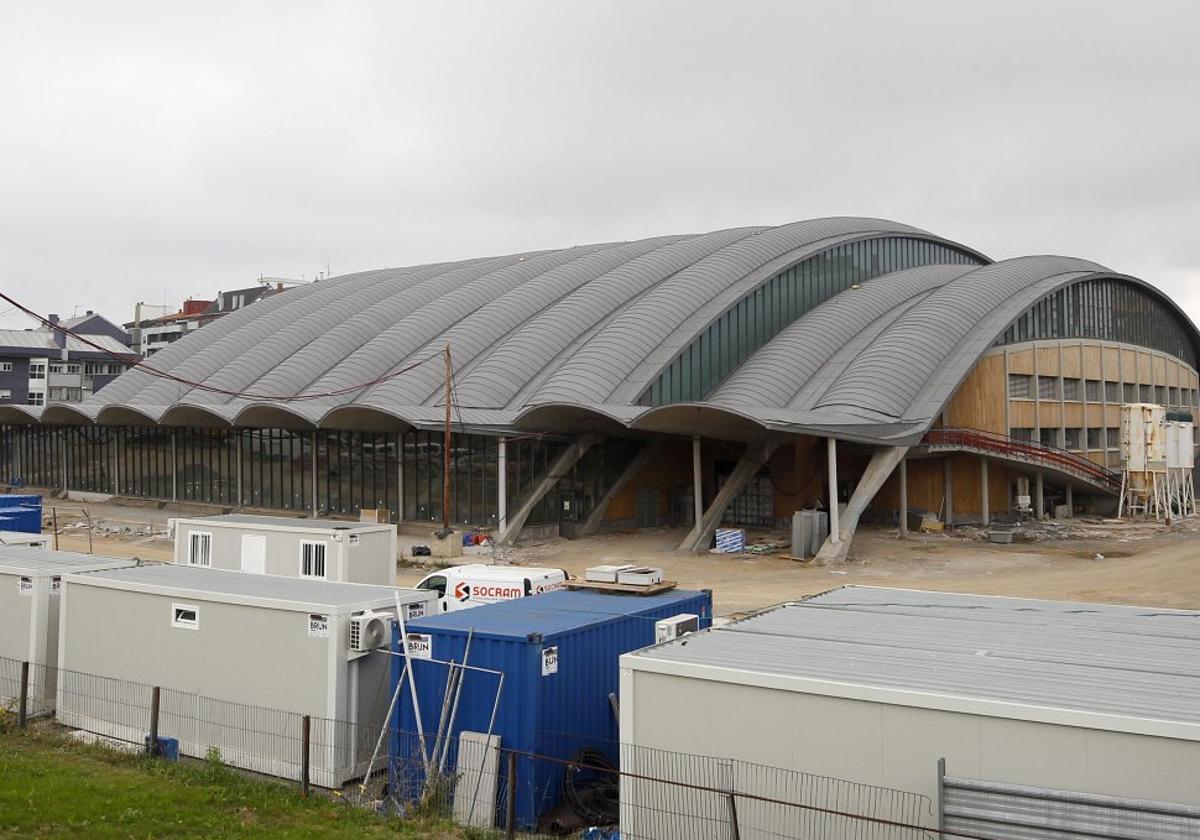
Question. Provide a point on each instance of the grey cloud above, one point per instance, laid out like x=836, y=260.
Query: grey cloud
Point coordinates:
x=152, y=150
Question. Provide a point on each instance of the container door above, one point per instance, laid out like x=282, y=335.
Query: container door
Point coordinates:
x=254, y=554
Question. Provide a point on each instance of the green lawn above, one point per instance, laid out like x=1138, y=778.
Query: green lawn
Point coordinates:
x=51, y=786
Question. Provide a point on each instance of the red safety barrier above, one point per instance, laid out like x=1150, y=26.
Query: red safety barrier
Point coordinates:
x=1004, y=445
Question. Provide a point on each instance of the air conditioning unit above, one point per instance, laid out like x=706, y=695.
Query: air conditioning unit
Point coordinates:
x=640, y=576
x=675, y=626
x=369, y=631
x=606, y=574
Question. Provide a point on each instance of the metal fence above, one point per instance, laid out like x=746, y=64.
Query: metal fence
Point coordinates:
x=474, y=779
x=1021, y=812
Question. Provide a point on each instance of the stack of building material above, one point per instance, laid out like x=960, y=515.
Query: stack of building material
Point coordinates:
x=730, y=540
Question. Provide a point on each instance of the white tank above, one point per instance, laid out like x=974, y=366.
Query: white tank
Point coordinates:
x=1143, y=438
x=1171, y=432
x=1133, y=438
x=1155, y=418
x=1187, y=446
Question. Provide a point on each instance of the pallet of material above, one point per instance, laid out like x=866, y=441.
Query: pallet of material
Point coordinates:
x=622, y=588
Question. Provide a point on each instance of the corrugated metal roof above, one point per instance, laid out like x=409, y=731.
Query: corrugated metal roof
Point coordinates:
x=44, y=340
x=588, y=325
x=549, y=340
x=221, y=584
x=878, y=363
x=24, y=560
x=551, y=613
x=1134, y=662
x=285, y=522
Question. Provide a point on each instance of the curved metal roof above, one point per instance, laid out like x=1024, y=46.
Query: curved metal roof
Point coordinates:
x=879, y=362
x=558, y=340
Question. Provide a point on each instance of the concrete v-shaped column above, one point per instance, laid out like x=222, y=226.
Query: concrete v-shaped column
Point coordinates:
x=562, y=464
x=639, y=462
x=757, y=453
x=882, y=463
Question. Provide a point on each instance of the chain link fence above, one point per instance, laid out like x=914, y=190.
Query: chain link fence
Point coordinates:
x=473, y=778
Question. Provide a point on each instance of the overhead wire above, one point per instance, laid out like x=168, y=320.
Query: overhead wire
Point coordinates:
x=142, y=365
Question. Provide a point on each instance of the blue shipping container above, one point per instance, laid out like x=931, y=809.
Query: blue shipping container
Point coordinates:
x=13, y=500
x=25, y=519
x=559, y=654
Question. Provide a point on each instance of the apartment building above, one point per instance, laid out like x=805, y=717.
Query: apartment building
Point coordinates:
x=40, y=366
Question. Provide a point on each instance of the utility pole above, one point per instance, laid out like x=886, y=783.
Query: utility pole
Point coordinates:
x=446, y=451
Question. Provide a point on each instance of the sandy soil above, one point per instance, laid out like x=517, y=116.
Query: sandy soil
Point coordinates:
x=1142, y=564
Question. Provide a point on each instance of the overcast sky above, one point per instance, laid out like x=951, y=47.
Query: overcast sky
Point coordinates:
x=155, y=151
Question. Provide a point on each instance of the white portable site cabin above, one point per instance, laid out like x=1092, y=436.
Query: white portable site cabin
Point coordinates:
x=1046, y=712
x=29, y=606
x=348, y=552
x=23, y=540
x=240, y=659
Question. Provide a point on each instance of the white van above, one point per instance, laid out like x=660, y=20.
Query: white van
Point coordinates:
x=463, y=587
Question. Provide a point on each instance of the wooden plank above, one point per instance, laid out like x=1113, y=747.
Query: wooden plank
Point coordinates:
x=622, y=588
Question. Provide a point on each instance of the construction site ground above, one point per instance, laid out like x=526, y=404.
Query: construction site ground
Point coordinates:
x=1143, y=563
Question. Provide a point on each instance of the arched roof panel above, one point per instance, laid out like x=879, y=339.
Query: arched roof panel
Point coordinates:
x=554, y=341
x=616, y=363
x=532, y=352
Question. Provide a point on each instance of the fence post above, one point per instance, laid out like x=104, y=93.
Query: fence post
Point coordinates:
x=734, y=832
x=510, y=818
x=941, y=797
x=23, y=711
x=152, y=742
x=306, y=738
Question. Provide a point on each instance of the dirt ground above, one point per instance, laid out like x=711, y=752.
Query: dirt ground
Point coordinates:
x=1144, y=564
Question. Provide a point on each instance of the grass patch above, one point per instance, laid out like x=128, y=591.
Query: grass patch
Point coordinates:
x=53, y=786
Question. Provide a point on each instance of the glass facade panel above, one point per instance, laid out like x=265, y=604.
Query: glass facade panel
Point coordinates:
x=144, y=462
x=207, y=465
x=1106, y=309
x=277, y=469
x=764, y=312
x=1048, y=387
x=1020, y=386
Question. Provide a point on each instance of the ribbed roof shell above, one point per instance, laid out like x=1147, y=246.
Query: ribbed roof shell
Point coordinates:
x=557, y=340
x=878, y=363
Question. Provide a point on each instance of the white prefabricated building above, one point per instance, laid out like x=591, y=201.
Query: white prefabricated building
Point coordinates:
x=23, y=539
x=1042, y=710
x=29, y=610
x=239, y=658
x=349, y=552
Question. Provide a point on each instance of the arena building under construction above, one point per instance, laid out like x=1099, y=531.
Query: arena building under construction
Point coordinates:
x=726, y=377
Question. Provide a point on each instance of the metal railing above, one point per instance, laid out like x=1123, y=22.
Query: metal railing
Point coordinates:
x=1032, y=452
